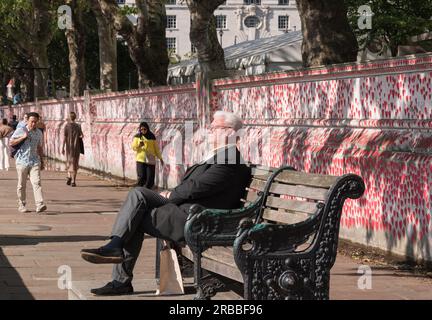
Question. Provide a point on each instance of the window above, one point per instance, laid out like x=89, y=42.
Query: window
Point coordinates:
x=252, y=21
x=252, y=2
x=171, y=22
x=170, y=2
x=283, y=22
x=193, y=49
x=120, y=1
x=221, y=22
x=283, y=2
x=172, y=44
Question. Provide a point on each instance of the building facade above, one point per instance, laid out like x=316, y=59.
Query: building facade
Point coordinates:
x=236, y=21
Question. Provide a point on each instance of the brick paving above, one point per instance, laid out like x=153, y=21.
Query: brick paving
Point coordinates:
x=34, y=246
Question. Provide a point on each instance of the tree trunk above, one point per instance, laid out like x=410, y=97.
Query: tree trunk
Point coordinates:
x=107, y=49
x=29, y=81
x=41, y=63
x=327, y=35
x=76, y=44
x=203, y=34
x=158, y=52
x=146, y=41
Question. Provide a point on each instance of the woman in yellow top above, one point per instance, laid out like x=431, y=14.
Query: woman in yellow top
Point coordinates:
x=147, y=150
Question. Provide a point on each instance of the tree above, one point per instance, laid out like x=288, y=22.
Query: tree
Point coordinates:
x=327, y=35
x=203, y=34
x=146, y=41
x=76, y=44
x=29, y=24
x=8, y=58
x=393, y=22
x=58, y=54
x=107, y=47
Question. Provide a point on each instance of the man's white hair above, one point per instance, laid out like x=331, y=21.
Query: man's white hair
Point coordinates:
x=229, y=119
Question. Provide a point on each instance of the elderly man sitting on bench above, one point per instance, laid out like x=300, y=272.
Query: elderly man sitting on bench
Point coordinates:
x=219, y=181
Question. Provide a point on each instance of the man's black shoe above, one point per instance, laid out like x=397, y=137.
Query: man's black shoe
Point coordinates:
x=113, y=289
x=102, y=255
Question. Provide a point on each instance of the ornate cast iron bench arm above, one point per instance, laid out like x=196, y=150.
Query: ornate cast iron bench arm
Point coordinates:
x=210, y=227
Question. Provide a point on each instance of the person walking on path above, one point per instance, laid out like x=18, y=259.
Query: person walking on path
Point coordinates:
x=147, y=149
x=29, y=162
x=5, y=132
x=72, y=148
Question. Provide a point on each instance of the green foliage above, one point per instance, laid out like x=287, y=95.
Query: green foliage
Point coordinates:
x=13, y=12
x=127, y=10
x=393, y=22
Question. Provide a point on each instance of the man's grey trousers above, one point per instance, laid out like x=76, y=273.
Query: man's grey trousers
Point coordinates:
x=134, y=219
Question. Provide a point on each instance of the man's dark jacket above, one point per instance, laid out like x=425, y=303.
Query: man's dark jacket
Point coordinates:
x=218, y=183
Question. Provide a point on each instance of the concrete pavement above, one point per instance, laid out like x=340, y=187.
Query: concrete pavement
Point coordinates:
x=36, y=250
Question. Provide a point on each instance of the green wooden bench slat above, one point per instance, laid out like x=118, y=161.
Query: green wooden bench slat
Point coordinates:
x=302, y=178
x=296, y=191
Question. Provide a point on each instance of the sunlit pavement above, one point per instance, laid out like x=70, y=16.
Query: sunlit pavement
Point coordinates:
x=37, y=249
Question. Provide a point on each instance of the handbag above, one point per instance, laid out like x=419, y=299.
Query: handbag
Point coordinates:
x=170, y=281
x=81, y=145
x=14, y=149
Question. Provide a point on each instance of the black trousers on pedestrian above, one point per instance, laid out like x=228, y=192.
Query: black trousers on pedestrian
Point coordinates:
x=146, y=174
x=133, y=221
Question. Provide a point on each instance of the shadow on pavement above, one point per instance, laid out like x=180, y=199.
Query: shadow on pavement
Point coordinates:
x=16, y=240
x=8, y=274
x=391, y=271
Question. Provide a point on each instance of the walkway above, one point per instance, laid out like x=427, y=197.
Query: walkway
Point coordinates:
x=33, y=247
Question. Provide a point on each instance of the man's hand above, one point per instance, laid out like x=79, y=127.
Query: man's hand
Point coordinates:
x=165, y=194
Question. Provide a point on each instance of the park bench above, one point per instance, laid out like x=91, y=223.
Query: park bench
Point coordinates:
x=281, y=244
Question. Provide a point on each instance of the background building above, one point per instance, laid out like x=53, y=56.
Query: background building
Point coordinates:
x=236, y=21
x=282, y=52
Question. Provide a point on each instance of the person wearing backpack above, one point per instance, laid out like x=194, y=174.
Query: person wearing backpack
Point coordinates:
x=28, y=161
